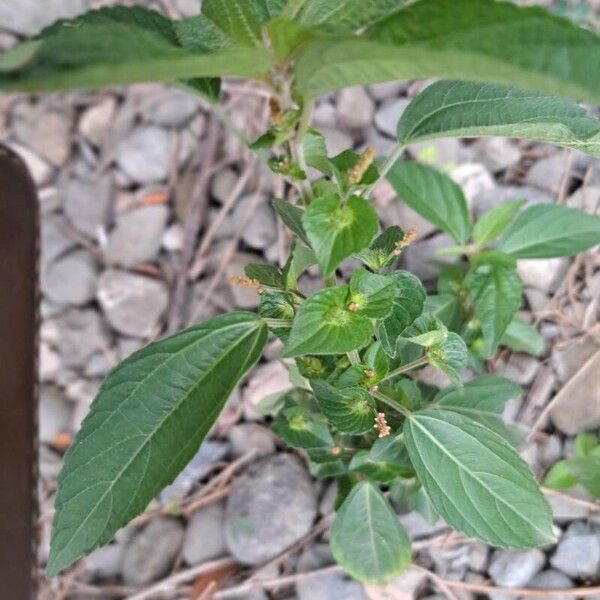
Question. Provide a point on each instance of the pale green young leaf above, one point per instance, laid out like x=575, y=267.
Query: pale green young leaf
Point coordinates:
x=407, y=306
x=337, y=230
x=496, y=292
x=367, y=539
x=148, y=420
x=476, y=481
x=522, y=337
x=315, y=151
x=324, y=324
x=474, y=40
x=586, y=470
x=493, y=222
x=585, y=444
x=384, y=250
x=434, y=196
x=450, y=356
x=550, y=230
x=291, y=215
x=351, y=409
x=377, y=360
x=472, y=109
x=372, y=295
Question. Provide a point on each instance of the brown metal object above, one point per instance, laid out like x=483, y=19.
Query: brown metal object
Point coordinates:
x=18, y=422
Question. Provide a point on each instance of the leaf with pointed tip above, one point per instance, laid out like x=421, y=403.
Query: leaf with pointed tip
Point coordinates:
x=434, y=196
x=367, y=539
x=241, y=20
x=493, y=222
x=408, y=305
x=385, y=461
x=383, y=251
x=337, y=230
x=315, y=151
x=476, y=481
x=147, y=421
x=522, y=337
x=350, y=409
x=550, y=230
x=472, y=109
x=474, y=40
x=325, y=325
x=292, y=217
x=450, y=356
x=372, y=295
x=299, y=429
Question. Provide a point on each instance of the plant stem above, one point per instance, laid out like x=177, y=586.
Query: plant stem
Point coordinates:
x=407, y=367
x=354, y=357
x=331, y=281
x=298, y=145
x=391, y=403
x=383, y=171
x=277, y=322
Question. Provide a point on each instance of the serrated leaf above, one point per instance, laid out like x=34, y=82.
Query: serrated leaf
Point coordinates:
x=408, y=305
x=434, y=196
x=292, y=217
x=472, y=109
x=483, y=399
x=241, y=20
x=383, y=251
x=550, y=230
x=325, y=325
x=367, y=539
x=474, y=40
x=493, y=222
x=120, y=45
x=337, y=230
x=450, y=356
x=350, y=409
x=476, y=481
x=372, y=295
x=522, y=337
x=496, y=293
x=147, y=421
x=385, y=461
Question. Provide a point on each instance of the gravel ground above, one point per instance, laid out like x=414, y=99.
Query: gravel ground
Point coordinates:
x=120, y=174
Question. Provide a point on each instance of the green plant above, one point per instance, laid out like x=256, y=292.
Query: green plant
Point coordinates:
x=354, y=410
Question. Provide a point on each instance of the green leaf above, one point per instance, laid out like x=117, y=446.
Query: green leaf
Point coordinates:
x=550, y=230
x=559, y=477
x=585, y=444
x=476, y=481
x=377, y=360
x=299, y=429
x=292, y=217
x=434, y=196
x=277, y=305
x=148, y=420
x=446, y=308
x=367, y=539
x=337, y=230
x=492, y=223
x=587, y=472
x=241, y=20
x=120, y=45
x=268, y=275
x=315, y=151
x=343, y=164
x=522, y=337
x=450, y=357
x=474, y=40
x=372, y=295
x=467, y=109
x=496, y=293
x=325, y=325
x=350, y=409
x=483, y=400
x=408, y=305
x=384, y=250
x=385, y=461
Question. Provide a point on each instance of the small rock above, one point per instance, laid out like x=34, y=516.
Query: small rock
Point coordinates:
x=497, y=153
x=545, y=275
x=106, y=562
x=328, y=498
x=133, y=304
x=577, y=404
x=548, y=173
x=55, y=415
x=87, y=203
x=490, y=198
x=173, y=238
x=578, y=555
x=564, y=510
x=521, y=368
x=205, y=536
x=247, y=437
x=48, y=133
x=260, y=230
x=568, y=358
x=474, y=179
x=169, y=107
x=355, y=108
x=71, y=279
x=271, y=506
x=144, y=156
x=33, y=15
x=515, y=569
x=388, y=115
x=244, y=296
x=137, y=236
x=444, y=153
x=267, y=380
x=335, y=140
x=325, y=115
x=550, y=450
x=388, y=89
x=152, y=552
x=551, y=580
x=586, y=198
x=49, y=363
x=408, y=586
x=96, y=119
x=54, y=238
x=421, y=259
x=223, y=183
x=41, y=172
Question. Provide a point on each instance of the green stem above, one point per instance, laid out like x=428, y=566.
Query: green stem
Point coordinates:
x=391, y=403
x=331, y=281
x=387, y=165
x=354, y=357
x=298, y=145
x=407, y=367
x=277, y=322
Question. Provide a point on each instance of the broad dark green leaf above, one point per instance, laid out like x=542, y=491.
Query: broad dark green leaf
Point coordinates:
x=483, y=400
x=337, y=230
x=472, y=109
x=120, y=45
x=148, y=420
x=351, y=409
x=268, y=275
x=291, y=215
x=496, y=293
x=476, y=481
x=367, y=539
x=450, y=356
x=522, y=337
x=324, y=324
x=372, y=295
x=434, y=196
x=384, y=250
x=408, y=305
x=549, y=230
x=299, y=429
x=474, y=40
x=385, y=461
x=493, y=222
